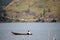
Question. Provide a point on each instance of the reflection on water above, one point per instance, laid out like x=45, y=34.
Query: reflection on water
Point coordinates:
x=39, y=30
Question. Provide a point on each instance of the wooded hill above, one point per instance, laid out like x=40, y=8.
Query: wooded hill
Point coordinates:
x=33, y=10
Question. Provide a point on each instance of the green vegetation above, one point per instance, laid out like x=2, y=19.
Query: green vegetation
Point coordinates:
x=33, y=10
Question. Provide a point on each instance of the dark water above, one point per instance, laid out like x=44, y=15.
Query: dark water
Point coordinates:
x=5, y=2
x=39, y=30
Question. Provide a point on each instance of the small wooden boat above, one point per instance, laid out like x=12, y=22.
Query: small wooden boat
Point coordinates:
x=15, y=33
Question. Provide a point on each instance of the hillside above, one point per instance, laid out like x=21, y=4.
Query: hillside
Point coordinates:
x=33, y=10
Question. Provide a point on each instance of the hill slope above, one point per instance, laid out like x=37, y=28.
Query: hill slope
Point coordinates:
x=33, y=10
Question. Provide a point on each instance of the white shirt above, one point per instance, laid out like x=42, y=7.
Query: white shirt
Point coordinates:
x=29, y=32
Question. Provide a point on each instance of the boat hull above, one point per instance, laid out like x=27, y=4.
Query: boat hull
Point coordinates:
x=21, y=33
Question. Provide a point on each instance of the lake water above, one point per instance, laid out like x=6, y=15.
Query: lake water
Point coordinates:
x=39, y=31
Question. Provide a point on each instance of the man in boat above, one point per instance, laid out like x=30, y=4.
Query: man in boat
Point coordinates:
x=29, y=32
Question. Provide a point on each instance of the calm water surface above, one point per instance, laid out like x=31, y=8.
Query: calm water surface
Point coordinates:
x=39, y=30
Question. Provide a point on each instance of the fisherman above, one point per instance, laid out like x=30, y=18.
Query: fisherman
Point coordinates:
x=29, y=32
